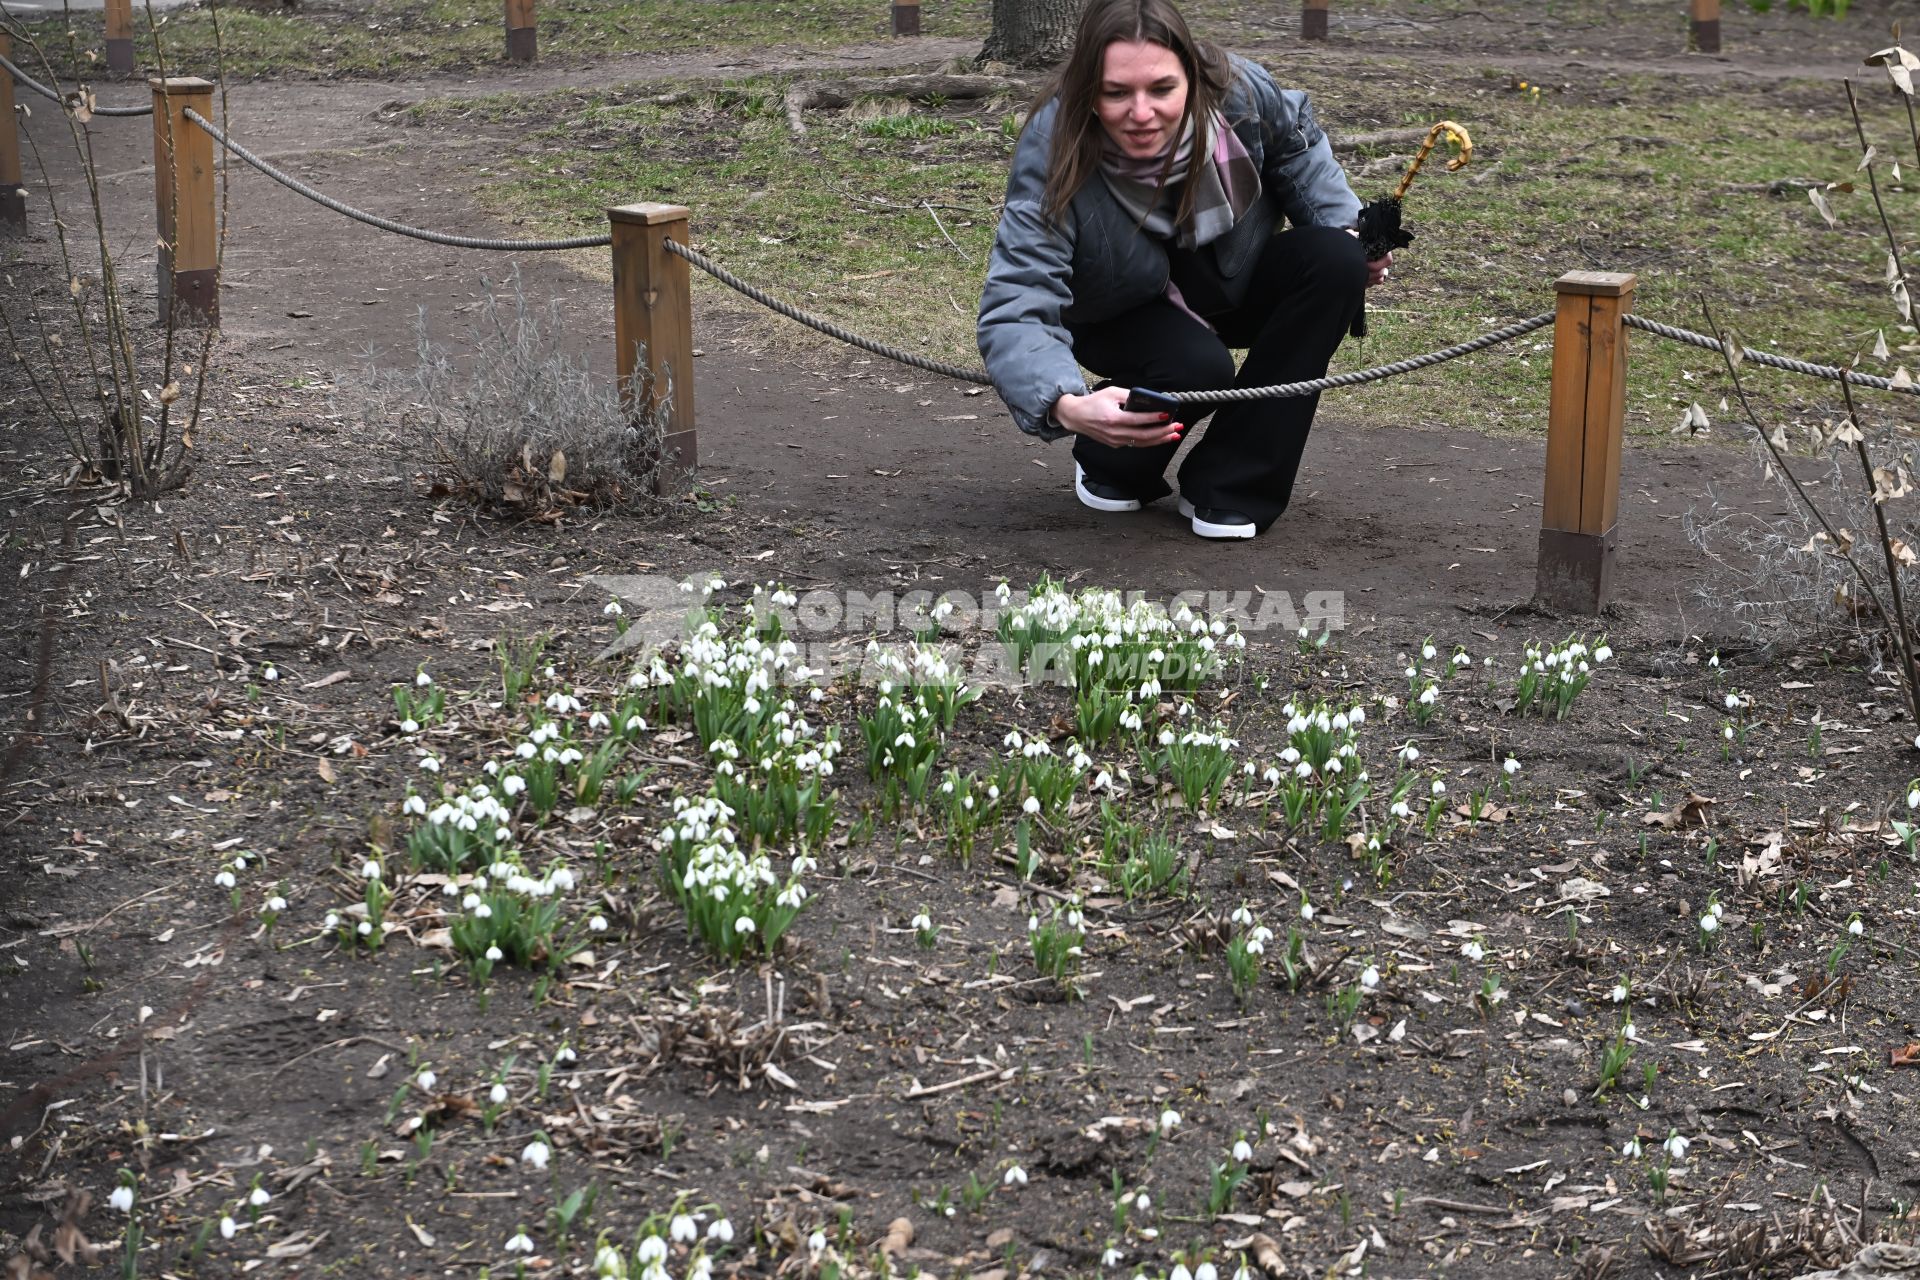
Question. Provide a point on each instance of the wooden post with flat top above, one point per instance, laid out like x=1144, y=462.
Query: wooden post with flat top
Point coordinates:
x=1586, y=421
x=653, y=327
x=120, y=37
x=1703, y=25
x=13, y=196
x=189, y=264
x=1313, y=19
x=906, y=17
x=522, y=38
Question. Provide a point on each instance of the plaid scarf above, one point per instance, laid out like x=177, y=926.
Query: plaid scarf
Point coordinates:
x=1224, y=190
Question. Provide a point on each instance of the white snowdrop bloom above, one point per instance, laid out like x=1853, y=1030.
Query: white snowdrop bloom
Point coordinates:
x=1709, y=922
x=224, y=880
x=1179, y=1272
x=495, y=954
x=744, y=925
x=1205, y=1271
x=1473, y=951
x=332, y=921
x=1629, y=1032
x=720, y=1229
x=526, y=750
x=1620, y=993
x=597, y=924
x=1169, y=1120
x=270, y=673
x=430, y=764
x=1242, y=1151
x=364, y=928
x=608, y=1264
x=1439, y=787
x=427, y=1080
x=1602, y=653
x=1677, y=1146
x=470, y=902
x=1306, y=911
x=1412, y=673
x=1511, y=766
x=1112, y=1257
x=1303, y=770
x=519, y=1242
x=414, y=804
x=1632, y=1149
x=1427, y=652
x=227, y=1227
x=1913, y=798
x=922, y=922
x=121, y=1199
x=409, y=726
x=1733, y=702
x=1370, y=977
x=1142, y=1202
x=1400, y=809
x=817, y=1243
x=422, y=680
x=484, y=912
x=1429, y=696
x=497, y=1095
x=683, y=1229
x=1856, y=928
x=1716, y=909
x=652, y=1250
x=1002, y=593
x=258, y=1197
x=1030, y=805
x=1242, y=916
x=536, y=1153
x=1015, y=1176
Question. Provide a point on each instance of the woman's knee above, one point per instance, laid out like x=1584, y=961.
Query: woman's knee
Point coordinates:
x=1335, y=261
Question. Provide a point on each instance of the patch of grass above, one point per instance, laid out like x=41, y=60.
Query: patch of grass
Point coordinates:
x=1665, y=178
x=412, y=36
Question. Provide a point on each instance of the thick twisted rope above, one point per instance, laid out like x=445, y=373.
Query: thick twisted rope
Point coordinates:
x=959, y=374
x=827, y=327
x=386, y=224
x=53, y=95
x=1831, y=373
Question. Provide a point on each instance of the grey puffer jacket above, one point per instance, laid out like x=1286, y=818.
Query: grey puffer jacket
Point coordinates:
x=1100, y=263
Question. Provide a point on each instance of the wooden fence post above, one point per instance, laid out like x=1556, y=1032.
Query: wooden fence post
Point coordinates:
x=653, y=322
x=522, y=36
x=1586, y=421
x=13, y=195
x=120, y=37
x=189, y=265
x=1703, y=25
x=906, y=17
x=1313, y=19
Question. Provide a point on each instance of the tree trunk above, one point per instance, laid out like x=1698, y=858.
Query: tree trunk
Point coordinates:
x=1031, y=33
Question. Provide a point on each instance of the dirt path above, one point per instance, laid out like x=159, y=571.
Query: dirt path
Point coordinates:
x=898, y=473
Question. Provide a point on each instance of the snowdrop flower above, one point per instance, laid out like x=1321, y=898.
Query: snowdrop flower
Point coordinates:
x=1620, y=993
x=520, y=1243
x=1439, y=787
x=608, y=1264
x=565, y=1054
x=1913, y=798
x=513, y=784
x=1709, y=922
x=1855, y=927
x=1629, y=1032
x=1112, y=1257
x=817, y=1243
x=258, y=1197
x=1733, y=702
x=227, y=1227
x=1370, y=977
x=497, y=1095
x=429, y=764
x=1242, y=1151
x=1205, y=1271
x=416, y=805
x=364, y=928
x=1511, y=767
x=1409, y=753
x=1473, y=951
x=1015, y=1176
x=1632, y=1149
x=422, y=680
x=1031, y=805
x=922, y=922
x=1677, y=1146
x=1169, y=1120
x=597, y=924
x=409, y=725
x=332, y=921
x=495, y=955
x=370, y=870
x=1142, y=1202
x=1179, y=1272
x=121, y=1199
x=427, y=1080
x=683, y=1229
x=481, y=911
x=652, y=1250
x=536, y=1153
x=720, y=1229
x=1306, y=909
x=224, y=880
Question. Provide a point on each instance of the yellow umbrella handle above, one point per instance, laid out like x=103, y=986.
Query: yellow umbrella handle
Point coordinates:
x=1445, y=128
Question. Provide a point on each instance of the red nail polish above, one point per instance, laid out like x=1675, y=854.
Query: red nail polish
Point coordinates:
x=1166, y=417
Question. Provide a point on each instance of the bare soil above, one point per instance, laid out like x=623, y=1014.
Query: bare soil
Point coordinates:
x=1437, y=1132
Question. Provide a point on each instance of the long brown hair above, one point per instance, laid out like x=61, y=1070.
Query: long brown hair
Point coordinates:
x=1077, y=131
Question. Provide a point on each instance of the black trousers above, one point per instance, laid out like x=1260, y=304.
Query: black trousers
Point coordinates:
x=1307, y=286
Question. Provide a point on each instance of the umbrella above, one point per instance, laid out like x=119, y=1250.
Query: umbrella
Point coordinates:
x=1380, y=228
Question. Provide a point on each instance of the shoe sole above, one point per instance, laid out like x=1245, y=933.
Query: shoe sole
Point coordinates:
x=1097, y=503
x=1207, y=530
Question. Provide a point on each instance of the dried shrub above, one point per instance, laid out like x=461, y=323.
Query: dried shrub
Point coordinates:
x=517, y=422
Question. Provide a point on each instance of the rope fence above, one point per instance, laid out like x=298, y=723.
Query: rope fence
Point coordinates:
x=653, y=326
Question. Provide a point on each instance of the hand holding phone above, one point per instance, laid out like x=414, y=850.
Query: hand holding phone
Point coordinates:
x=1141, y=400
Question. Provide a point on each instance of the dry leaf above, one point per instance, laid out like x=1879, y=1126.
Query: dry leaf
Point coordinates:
x=1690, y=812
x=1906, y=1055
x=557, y=468
x=898, y=1238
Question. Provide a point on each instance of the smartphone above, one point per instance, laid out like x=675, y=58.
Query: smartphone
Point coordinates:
x=1141, y=400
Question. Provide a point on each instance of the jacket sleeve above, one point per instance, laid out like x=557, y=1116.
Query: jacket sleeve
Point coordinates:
x=1299, y=168
x=1026, y=347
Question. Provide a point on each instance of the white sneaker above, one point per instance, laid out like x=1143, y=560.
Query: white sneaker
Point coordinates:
x=1101, y=497
x=1217, y=522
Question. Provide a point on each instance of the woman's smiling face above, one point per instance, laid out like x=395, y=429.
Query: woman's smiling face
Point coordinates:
x=1142, y=96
